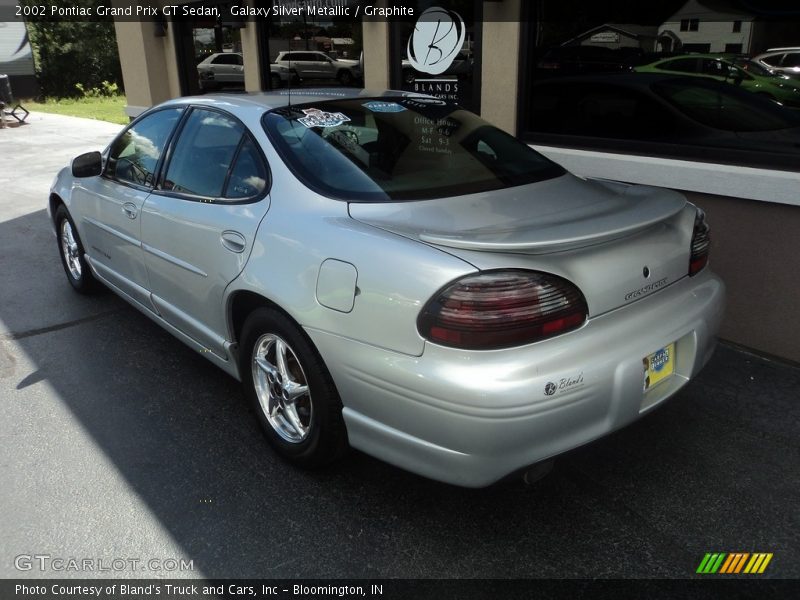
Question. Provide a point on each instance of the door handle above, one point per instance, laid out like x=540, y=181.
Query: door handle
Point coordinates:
x=129, y=208
x=233, y=241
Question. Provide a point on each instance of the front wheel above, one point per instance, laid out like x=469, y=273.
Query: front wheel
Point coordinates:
x=291, y=391
x=70, y=249
x=346, y=78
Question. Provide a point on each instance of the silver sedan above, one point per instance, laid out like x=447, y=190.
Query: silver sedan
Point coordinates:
x=390, y=272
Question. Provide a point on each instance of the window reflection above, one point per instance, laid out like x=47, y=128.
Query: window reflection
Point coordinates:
x=314, y=51
x=134, y=155
x=692, y=73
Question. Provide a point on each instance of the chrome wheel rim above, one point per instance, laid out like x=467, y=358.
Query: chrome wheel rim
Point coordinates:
x=69, y=247
x=282, y=388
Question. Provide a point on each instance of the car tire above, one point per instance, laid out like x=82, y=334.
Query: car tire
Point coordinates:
x=275, y=81
x=277, y=361
x=70, y=248
x=345, y=77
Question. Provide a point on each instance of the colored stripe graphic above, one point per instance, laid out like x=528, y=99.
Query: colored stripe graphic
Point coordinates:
x=758, y=563
x=711, y=562
x=734, y=562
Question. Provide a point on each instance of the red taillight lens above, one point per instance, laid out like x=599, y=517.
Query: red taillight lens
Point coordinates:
x=701, y=244
x=500, y=309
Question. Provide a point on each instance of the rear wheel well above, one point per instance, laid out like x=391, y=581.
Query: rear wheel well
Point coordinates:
x=55, y=201
x=244, y=303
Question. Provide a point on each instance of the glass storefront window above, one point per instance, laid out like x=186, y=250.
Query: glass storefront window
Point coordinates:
x=209, y=53
x=314, y=51
x=635, y=77
x=438, y=52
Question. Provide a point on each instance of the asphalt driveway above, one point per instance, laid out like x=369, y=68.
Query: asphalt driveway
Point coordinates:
x=120, y=442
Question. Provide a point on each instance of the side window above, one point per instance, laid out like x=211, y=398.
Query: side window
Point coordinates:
x=228, y=59
x=714, y=68
x=684, y=65
x=774, y=60
x=134, y=155
x=791, y=60
x=249, y=175
x=203, y=154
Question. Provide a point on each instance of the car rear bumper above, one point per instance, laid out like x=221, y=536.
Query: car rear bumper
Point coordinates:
x=471, y=418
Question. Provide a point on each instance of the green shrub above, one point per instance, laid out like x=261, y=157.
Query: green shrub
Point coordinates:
x=106, y=90
x=73, y=59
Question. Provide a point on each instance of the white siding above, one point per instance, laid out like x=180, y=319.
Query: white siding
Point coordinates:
x=716, y=33
x=16, y=57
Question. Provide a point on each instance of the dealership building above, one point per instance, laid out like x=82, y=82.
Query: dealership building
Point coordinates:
x=505, y=59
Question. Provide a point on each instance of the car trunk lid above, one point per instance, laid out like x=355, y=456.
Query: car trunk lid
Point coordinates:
x=617, y=243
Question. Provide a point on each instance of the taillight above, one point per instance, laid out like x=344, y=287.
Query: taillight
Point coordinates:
x=500, y=309
x=701, y=244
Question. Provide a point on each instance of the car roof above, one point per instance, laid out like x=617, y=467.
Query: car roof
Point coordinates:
x=790, y=48
x=727, y=57
x=286, y=97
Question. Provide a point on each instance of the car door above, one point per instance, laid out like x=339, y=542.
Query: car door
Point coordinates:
x=325, y=66
x=198, y=225
x=305, y=63
x=109, y=207
x=228, y=68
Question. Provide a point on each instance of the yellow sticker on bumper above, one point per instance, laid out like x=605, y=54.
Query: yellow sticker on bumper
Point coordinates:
x=658, y=366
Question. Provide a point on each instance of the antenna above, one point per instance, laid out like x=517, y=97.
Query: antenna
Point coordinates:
x=289, y=84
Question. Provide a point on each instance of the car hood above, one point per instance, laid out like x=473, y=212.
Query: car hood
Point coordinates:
x=554, y=215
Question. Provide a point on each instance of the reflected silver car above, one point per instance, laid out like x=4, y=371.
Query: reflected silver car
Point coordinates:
x=785, y=61
x=392, y=273
x=315, y=65
x=223, y=69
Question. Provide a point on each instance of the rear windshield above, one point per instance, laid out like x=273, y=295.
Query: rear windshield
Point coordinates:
x=405, y=148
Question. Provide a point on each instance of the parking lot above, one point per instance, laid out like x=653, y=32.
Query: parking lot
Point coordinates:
x=120, y=442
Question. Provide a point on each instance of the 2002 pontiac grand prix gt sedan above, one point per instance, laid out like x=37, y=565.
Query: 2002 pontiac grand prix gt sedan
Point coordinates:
x=392, y=273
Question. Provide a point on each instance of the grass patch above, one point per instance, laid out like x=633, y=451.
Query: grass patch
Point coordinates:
x=110, y=109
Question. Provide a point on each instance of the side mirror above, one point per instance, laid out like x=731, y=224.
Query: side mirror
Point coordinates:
x=87, y=165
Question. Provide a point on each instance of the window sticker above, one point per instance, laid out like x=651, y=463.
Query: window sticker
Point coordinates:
x=383, y=107
x=319, y=118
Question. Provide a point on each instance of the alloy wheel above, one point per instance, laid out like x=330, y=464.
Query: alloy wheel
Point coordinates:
x=282, y=388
